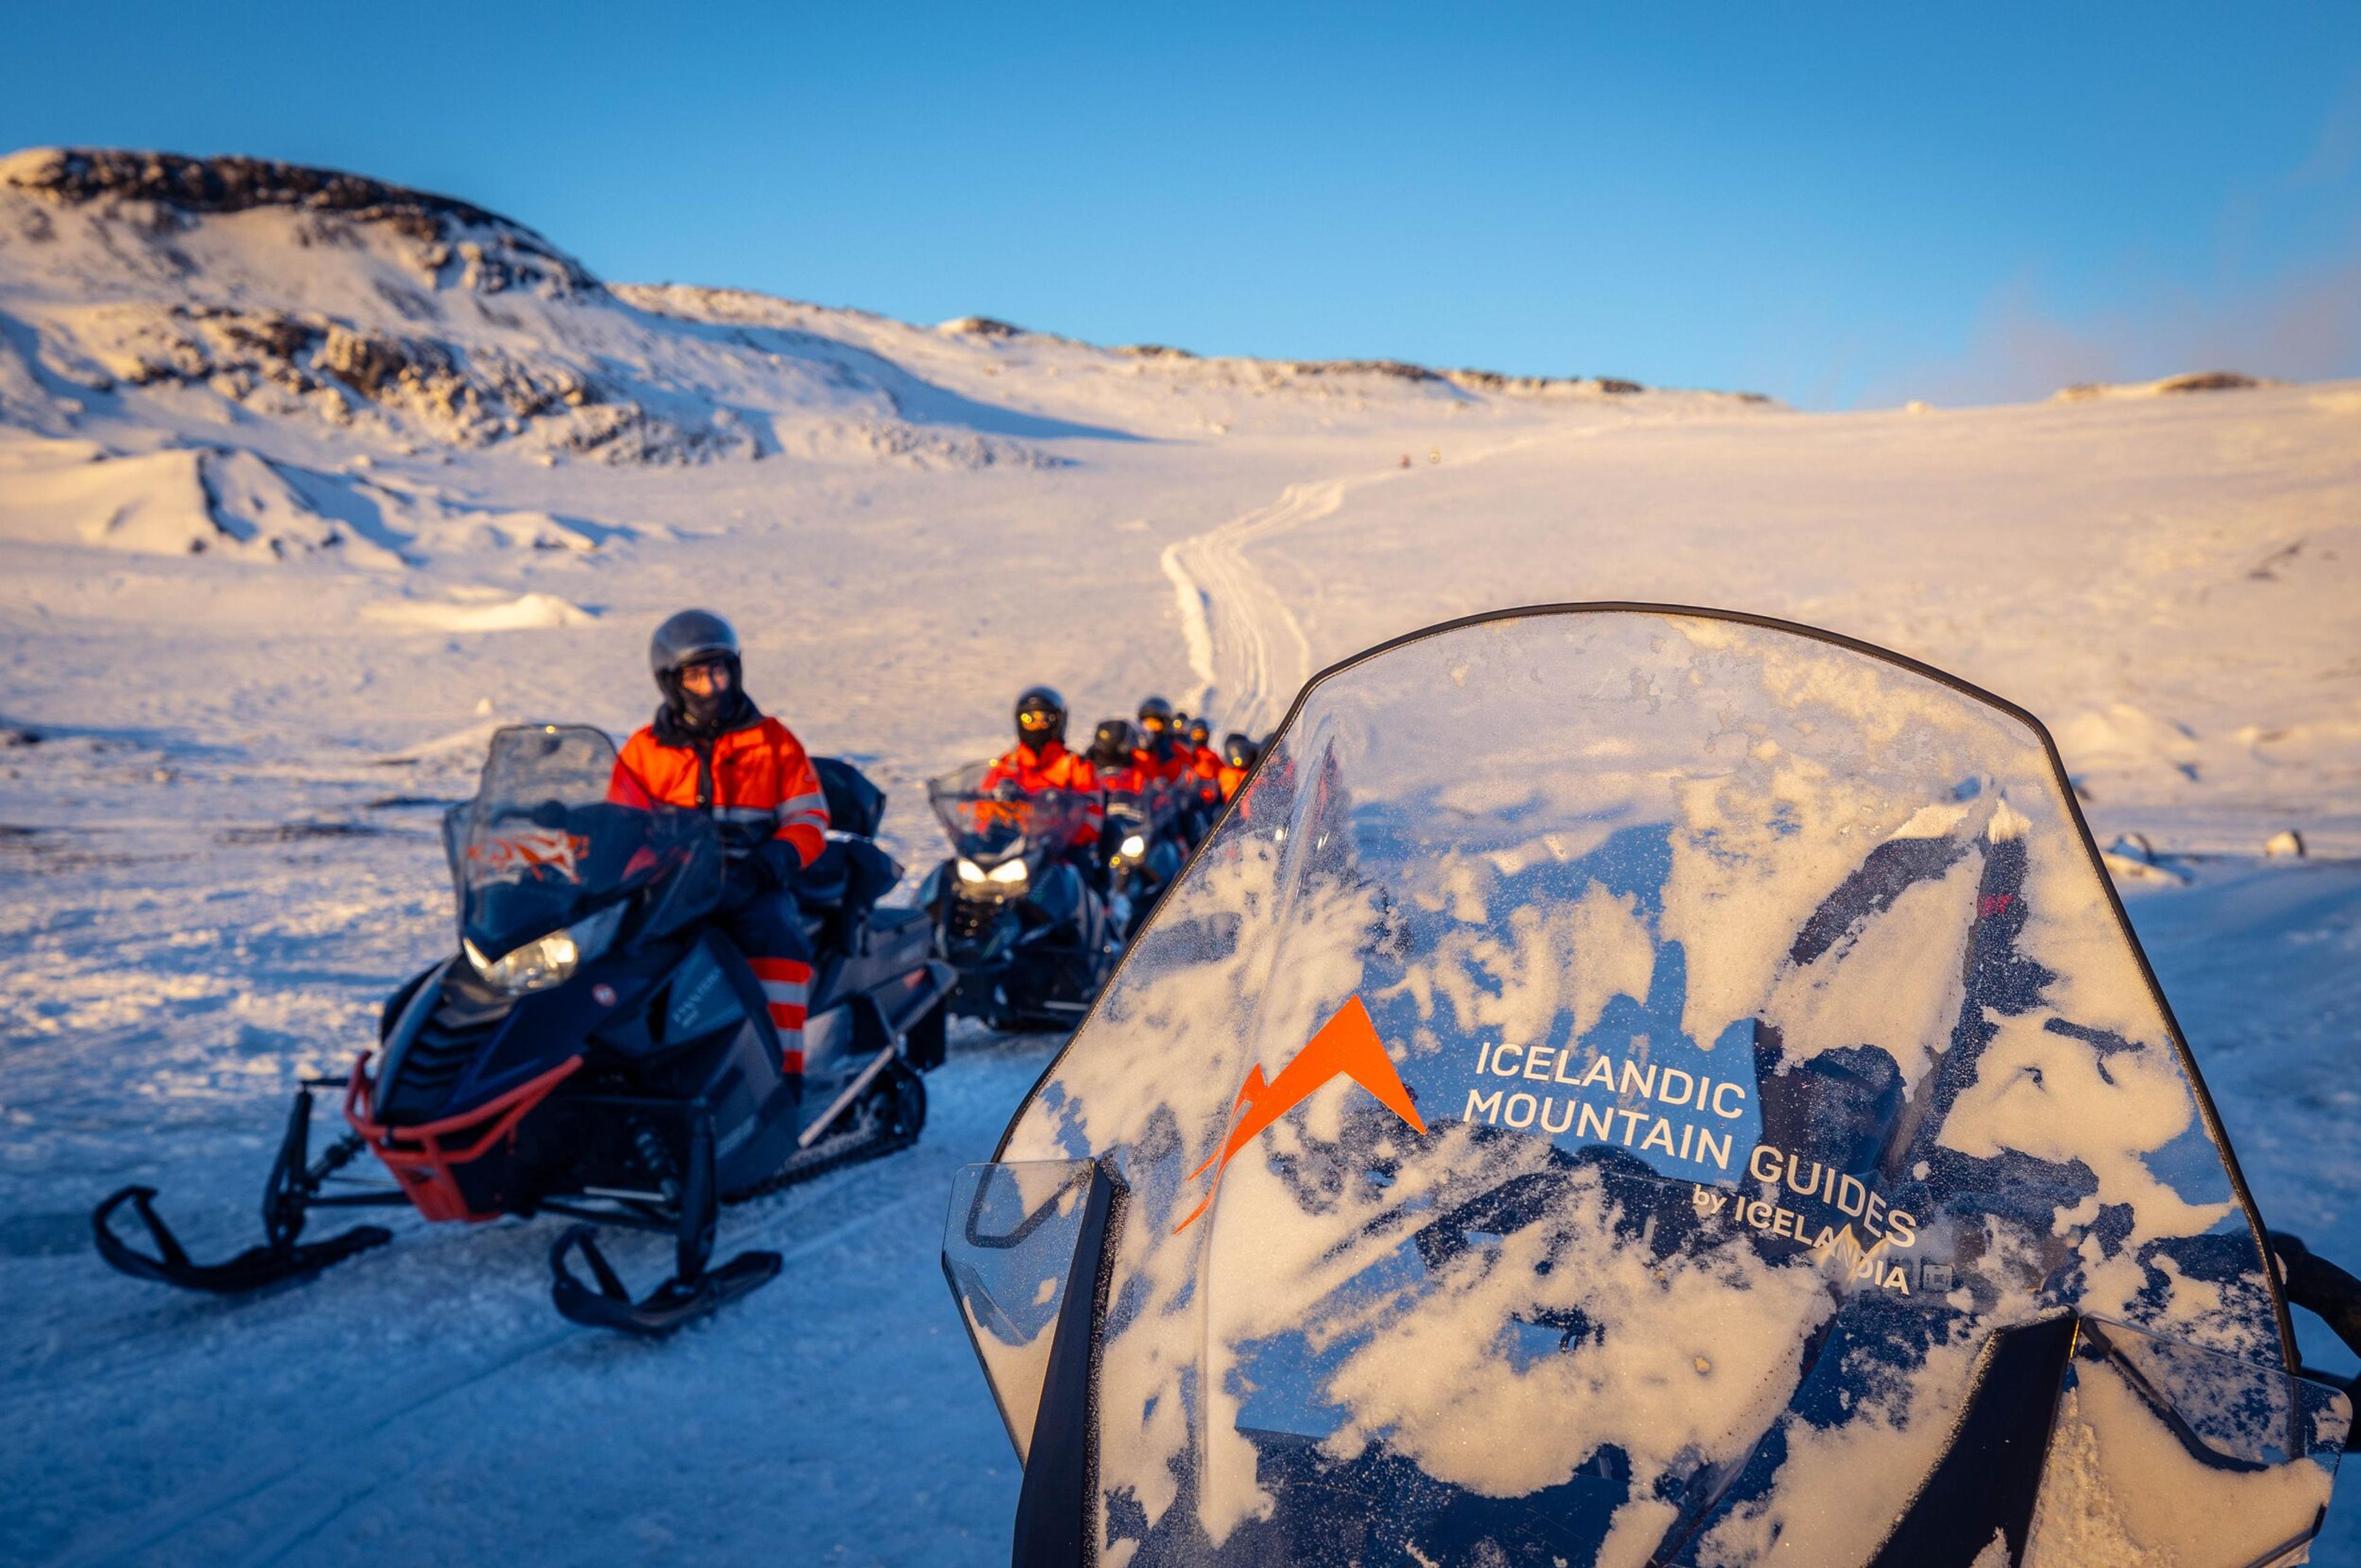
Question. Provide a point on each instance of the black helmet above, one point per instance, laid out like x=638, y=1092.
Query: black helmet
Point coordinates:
x=1199, y=732
x=1111, y=746
x=698, y=637
x=1046, y=711
x=689, y=638
x=1239, y=750
x=1155, y=716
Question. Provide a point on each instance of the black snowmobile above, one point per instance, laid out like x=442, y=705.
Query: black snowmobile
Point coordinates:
x=595, y=1050
x=1032, y=938
x=1635, y=1085
x=1142, y=845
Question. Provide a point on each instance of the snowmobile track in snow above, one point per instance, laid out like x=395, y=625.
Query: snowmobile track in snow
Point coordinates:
x=325, y=1452
x=1247, y=648
x=1231, y=615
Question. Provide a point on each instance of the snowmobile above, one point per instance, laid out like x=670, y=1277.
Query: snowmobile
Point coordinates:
x=595, y=1050
x=1030, y=935
x=1142, y=846
x=1643, y=1085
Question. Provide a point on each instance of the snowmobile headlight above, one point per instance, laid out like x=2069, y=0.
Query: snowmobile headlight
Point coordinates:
x=1133, y=847
x=551, y=960
x=1008, y=873
x=969, y=870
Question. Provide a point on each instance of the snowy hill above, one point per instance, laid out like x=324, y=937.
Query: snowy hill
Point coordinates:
x=307, y=482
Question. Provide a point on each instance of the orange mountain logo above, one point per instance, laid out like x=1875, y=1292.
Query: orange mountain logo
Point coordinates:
x=1346, y=1046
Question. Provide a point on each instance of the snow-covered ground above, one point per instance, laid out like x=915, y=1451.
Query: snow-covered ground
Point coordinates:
x=440, y=478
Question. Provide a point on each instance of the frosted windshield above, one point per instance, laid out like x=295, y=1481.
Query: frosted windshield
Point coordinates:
x=991, y=824
x=1602, y=1088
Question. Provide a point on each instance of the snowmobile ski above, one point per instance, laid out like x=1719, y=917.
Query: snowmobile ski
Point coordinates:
x=291, y=1189
x=668, y=1307
x=257, y=1266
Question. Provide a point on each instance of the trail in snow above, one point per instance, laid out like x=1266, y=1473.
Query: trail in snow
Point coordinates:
x=1245, y=647
x=344, y=1450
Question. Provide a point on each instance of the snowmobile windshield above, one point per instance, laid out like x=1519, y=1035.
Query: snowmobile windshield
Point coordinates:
x=1152, y=808
x=987, y=825
x=1628, y=1085
x=558, y=831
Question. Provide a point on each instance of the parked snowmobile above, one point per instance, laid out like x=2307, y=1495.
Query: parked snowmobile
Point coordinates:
x=595, y=1050
x=1142, y=846
x=1032, y=938
x=1643, y=1086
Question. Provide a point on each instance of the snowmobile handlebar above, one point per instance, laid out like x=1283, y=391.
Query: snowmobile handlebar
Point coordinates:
x=2322, y=1288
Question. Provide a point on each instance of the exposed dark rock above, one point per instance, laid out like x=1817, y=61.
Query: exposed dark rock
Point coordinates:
x=2208, y=381
x=372, y=365
x=1618, y=387
x=177, y=184
x=1399, y=369
x=982, y=326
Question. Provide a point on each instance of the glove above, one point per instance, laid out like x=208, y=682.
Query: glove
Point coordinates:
x=776, y=865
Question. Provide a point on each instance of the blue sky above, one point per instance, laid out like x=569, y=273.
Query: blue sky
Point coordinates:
x=1840, y=207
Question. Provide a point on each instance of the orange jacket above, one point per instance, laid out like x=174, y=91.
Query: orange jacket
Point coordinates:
x=1175, y=766
x=749, y=778
x=1229, y=778
x=1128, y=779
x=1051, y=767
x=1206, y=764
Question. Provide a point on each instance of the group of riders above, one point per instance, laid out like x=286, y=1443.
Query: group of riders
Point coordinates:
x=1163, y=748
x=709, y=748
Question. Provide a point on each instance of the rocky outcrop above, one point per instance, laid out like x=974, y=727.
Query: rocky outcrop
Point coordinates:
x=2171, y=386
x=176, y=184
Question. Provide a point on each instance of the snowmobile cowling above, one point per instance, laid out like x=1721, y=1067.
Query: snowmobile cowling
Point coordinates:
x=1625, y=1084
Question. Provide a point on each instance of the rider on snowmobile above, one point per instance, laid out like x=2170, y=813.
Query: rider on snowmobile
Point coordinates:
x=1110, y=757
x=710, y=748
x=1157, y=752
x=1040, y=758
x=1240, y=754
x=1203, y=760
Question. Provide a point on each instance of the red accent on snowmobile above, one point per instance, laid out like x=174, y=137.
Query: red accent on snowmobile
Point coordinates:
x=423, y=1159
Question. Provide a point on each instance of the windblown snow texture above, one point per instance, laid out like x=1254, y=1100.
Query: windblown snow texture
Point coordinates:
x=1774, y=1044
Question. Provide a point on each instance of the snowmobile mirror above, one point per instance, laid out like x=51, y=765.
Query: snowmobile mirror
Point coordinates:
x=1637, y=1081
x=1009, y=1247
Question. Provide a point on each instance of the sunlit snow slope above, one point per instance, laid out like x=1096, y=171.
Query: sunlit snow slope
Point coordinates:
x=307, y=482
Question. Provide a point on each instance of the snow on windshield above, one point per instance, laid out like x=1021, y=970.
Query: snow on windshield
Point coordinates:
x=1772, y=1040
